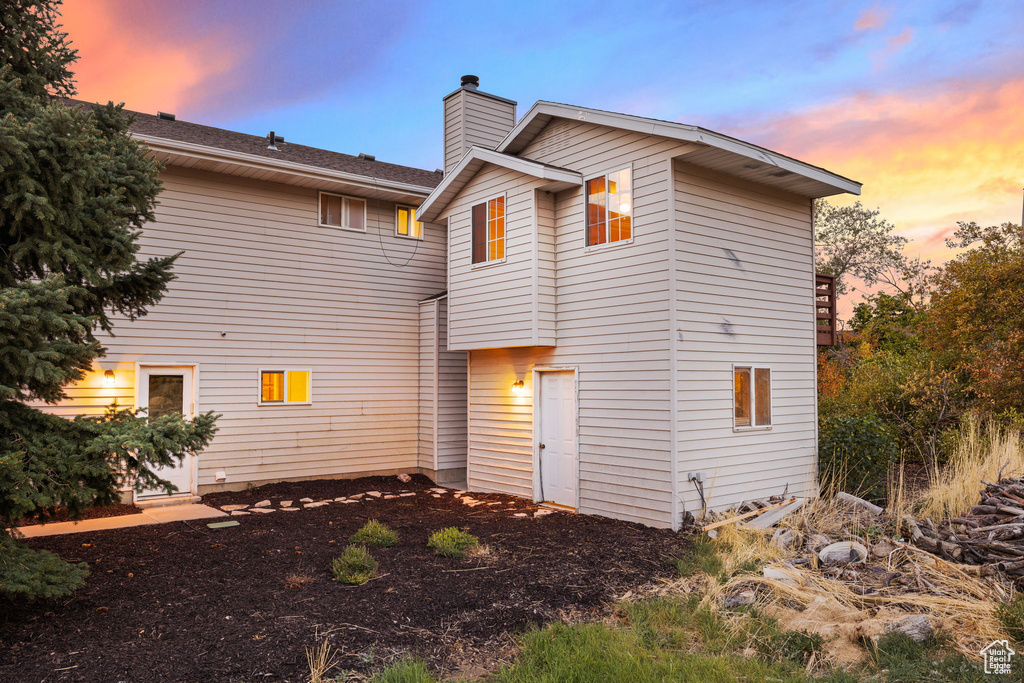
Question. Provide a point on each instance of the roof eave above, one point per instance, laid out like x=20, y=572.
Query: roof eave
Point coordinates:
x=457, y=179
x=519, y=137
x=279, y=165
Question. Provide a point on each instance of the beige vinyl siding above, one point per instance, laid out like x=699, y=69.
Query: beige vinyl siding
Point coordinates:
x=612, y=325
x=451, y=405
x=286, y=292
x=744, y=277
x=492, y=304
x=544, y=269
x=428, y=349
x=474, y=119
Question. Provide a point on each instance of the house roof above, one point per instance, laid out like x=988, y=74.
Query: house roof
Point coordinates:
x=176, y=134
x=716, y=151
x=474, y=159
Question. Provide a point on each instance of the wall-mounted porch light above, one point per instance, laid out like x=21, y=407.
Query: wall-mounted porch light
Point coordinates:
x=517, y=387
x=108, y=378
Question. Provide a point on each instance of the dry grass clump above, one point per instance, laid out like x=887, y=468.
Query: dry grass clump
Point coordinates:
x=320, y=659
x=980, y=454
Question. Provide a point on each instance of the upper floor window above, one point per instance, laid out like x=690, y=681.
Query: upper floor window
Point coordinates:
x=342, y=212
x=752, y=396
x=406, y=223
x=489, y=230
x=610, y=208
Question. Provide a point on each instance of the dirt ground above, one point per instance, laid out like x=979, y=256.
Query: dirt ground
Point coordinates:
x=182, y=602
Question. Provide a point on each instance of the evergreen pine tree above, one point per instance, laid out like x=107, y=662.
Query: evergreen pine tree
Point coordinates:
x=75, y=191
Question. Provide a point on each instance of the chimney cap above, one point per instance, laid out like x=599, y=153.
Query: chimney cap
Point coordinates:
x=165, y=116
x=470, y=81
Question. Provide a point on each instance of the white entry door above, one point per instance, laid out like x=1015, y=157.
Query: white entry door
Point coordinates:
x=167, y=389
x=557, y=438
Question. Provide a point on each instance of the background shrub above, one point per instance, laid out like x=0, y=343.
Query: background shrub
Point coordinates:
x=355, y=566
x=376, y=535
x=452, y=542
x=855, y=453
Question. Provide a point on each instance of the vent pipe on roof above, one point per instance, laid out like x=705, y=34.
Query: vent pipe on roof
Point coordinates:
x=165, y=116
x=274, y=140
x=470, y=81
x=367, y=157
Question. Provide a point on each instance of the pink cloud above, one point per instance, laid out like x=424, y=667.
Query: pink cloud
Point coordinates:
x=872, y=19
x=893, y=46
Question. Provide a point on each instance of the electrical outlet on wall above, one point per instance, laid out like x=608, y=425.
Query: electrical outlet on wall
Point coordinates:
x=695, y=476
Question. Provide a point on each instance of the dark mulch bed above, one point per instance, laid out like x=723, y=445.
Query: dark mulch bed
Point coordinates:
x=185, y=603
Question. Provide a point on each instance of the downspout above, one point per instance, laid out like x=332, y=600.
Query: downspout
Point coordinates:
x=673, y=363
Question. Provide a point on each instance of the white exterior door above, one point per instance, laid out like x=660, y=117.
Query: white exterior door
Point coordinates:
x=557, y=438
x=167, y=389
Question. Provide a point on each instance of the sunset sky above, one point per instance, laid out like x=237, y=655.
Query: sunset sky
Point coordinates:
x=923, y=102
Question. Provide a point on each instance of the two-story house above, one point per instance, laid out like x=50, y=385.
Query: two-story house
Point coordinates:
x=605, y=312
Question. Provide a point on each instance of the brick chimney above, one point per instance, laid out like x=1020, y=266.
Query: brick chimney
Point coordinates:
x=474, y=118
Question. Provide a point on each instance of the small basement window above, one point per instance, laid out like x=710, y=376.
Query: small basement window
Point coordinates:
x=489, y=231
x=752, y=397
x=610, y=208
x=338, y=211
x=406, y=224
x=285, y=386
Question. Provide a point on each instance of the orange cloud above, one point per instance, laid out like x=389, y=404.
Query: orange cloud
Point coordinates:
x=124, y=59
x=927, y=159
x=872, y=19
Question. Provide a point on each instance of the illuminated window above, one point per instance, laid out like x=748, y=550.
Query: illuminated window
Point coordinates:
x=285, y=386
x=610, y=208
x=342, y=212
x=752, y=397
x=489, y=231
x=406, y=223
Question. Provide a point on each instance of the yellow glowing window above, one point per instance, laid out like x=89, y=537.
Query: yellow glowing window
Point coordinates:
x=488, y=223
x=610, y=208
x=407, y=225
x=752, y=397
x=285, y=386
x=342, y=212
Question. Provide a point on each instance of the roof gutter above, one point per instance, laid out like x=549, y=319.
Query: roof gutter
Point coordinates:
x=242, y=159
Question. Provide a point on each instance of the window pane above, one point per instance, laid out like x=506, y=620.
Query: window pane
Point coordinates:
x=403, y=221
x=272, y=387
x=762, y=397
x=330, y=210
x=741, y=396
x=323, y=208
x=625, y=228
x=479, y=233
x=417, y=227
x=166, y=395
x=356, y=209
x=298, y=386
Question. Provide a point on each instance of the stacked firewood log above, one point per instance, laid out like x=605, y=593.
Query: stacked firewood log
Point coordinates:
x=991, y=535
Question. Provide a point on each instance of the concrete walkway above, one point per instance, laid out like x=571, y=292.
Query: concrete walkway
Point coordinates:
x=155, y=515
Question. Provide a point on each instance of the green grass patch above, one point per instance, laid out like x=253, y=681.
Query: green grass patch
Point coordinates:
x=355, y=566
x=905, y=661
x=1011, y=615
x=408, y=671
x=702, y=559
x=376, y=535
x=452, y=542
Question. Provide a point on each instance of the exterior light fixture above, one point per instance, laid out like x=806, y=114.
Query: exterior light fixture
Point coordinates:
x=108, y=378
x=517, y=387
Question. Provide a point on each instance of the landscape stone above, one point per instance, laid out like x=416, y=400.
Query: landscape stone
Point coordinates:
x=235, y=513
x=262, y=504
x=315, y=505
x=917, y=626
x=404, y=478
x=520, y=514
x=543, y=513
x=439, y=490
x=436, y=495
x=286, y=503
x=287, y=509
x=406, y=495
x=230, y=508
x=389, y=497
x=375, y=494
x=349, y=502
x=341, y=499
x=305, y=500
x=263, y=511
x=357, y=495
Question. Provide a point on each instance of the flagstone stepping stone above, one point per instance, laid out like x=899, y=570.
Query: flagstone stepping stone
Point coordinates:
x=405, y=495
x=357, y=495
x=263, y=511
x=288, y=509
x=461, y=492
x=232, y=508
x=305, y=500
x=543, y=513
x=262, y=504
x=436, y=495
x=439, y=490
x=342, y=499
x=375, y=494
x=286, y=503
x=238, y=513
x=520, y=514
x=389, y=497
x=315, y=505
x=349, y=502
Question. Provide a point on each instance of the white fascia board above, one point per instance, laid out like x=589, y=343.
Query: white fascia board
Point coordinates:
x=461, y=174
x=678, y=131
x=241, y=159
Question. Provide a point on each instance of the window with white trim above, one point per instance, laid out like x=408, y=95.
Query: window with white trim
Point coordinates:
x=285, y=386
x=406, y=224
x=489, y=230
x=610, y=208
x=339, y=211
x=752, y=396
